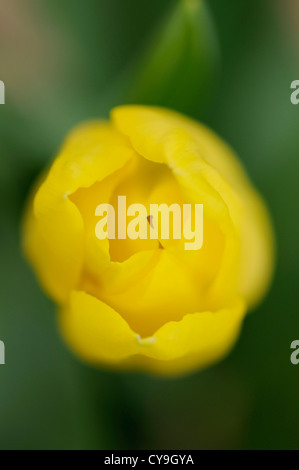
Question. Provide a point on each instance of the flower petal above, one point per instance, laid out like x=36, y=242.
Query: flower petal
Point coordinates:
x=100, y=335
x=54, y=229
x=53, y=242
x=200, y=158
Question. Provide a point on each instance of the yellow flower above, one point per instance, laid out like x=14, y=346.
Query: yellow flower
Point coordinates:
x=139, y=303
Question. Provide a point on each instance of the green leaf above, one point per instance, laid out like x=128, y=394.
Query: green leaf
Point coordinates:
x=178, y=66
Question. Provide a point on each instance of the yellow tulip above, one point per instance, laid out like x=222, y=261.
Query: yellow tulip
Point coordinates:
x=135, y=304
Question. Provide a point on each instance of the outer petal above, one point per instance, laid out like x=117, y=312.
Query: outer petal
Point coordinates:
x=54, y=243
x=99, y=334
x=153, y=134
x=54, y=229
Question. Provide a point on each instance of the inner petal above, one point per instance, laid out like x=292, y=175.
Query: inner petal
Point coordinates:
x=150, y=183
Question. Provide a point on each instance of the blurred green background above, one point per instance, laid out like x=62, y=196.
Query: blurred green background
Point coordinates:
x=230, y=66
